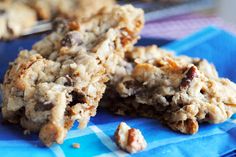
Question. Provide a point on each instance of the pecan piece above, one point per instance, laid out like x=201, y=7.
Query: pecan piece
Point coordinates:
x=129, y=139
x=190, y=75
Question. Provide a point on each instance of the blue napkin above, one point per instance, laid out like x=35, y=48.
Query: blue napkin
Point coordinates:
x=97, y=139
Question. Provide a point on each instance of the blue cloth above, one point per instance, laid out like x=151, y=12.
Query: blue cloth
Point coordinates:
x=97, y=139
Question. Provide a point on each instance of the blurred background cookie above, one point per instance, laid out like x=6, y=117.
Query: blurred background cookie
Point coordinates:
x=15, y=17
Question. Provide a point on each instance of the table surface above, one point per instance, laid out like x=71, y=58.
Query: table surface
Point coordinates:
x=178, y=27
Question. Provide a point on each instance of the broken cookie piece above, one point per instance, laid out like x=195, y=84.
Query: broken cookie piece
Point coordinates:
x=62, y=79
x=129, y=139
x=180, y=91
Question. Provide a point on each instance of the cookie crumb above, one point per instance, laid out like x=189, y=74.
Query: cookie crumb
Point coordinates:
x=76, y=145
x=129, y=139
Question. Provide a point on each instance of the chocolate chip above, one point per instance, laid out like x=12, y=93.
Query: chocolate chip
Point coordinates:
x=43, y=107
x=202, y=91
x=190, y=75
x=21, y=111
x=72, y=38
x=77, y=97
x=169, y=98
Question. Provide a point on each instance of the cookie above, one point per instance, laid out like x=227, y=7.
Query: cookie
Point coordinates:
x=180, y=91
x=15, y=18
x=79, y=9
x=62, y=79
x=18, y=16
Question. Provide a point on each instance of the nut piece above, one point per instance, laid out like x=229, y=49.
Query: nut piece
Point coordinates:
x=129, y=139
x=76, y=145
x=190, y=75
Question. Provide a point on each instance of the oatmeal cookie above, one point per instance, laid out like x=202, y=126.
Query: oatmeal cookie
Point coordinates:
x=180, y=91
x=15, y=18
x=62, y=79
